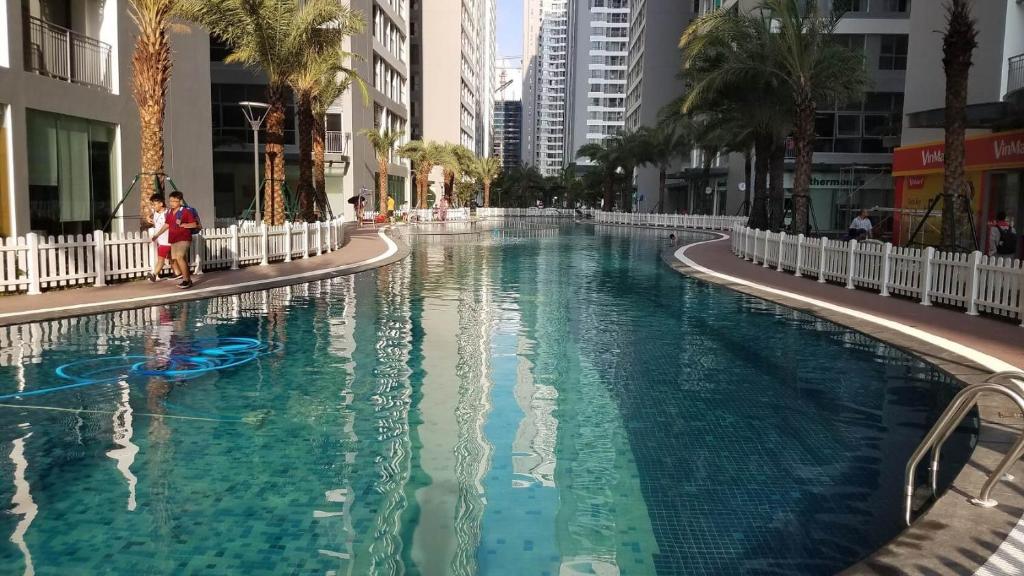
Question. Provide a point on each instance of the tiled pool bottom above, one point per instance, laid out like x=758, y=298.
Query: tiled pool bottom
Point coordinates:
x=556, y=406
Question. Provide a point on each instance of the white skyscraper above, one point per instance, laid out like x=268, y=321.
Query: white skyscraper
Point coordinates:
x=545, y=83
x=600, y=49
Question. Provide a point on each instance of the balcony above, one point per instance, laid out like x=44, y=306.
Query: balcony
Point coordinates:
x=1015, y=75
x=66, y=55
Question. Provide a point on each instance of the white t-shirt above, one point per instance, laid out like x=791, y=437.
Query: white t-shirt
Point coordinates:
x=861, y=224
x=159, y=219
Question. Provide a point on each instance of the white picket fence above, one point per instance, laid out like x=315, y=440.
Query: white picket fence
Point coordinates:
x=972, y=281
x=32, y=263
x=529, y=212
x=696, y=221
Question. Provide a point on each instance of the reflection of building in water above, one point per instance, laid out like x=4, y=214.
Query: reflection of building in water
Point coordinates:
x=126, y=450
x=534, y=447
x=22, y=502
x=382, y=389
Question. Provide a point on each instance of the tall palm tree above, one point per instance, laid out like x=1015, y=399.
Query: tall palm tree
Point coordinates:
x=328, y=90
x=456, y=161
x=958, y=44
x=306, y=80
x=486, y=169
x=151, y=72
x=804, y=56
x=274, y=36
x=663, y=145
x=425, y=157
x=383, y=144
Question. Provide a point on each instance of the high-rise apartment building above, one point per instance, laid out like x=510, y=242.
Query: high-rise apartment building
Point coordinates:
x=546, y=29
x=453, y=50
x=508, y=112
x=599, y=49
x=69, y=126
x=653, y=81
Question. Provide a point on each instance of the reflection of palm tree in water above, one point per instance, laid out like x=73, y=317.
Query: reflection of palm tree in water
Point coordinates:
x=158, y=344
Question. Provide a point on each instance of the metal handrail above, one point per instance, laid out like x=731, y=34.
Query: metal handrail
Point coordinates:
x=334, y=142
x=64, y=54
x=1009, y=384
x=1015, y=74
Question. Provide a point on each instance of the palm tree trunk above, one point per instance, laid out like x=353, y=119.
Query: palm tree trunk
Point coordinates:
x=422, y=180
x=776, y=185
x=319, y=164
x=609, y=194
x=273, y=191
x=662, y=179
x=759, y=207
x=151, y=63
x=487, y=193
x=382, y=185
x=957, y=46
x=803, y=136
x=305, y=188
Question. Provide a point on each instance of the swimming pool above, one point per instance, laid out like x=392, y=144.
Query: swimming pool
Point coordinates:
x=496, y=405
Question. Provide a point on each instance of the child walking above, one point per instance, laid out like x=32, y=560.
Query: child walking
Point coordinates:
x=163, y=243
x=180, y=224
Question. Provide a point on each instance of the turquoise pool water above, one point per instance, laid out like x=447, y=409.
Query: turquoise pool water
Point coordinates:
x=496, y=405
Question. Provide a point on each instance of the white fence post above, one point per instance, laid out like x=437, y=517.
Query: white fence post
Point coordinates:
x=264, y=244
x=199, y=250
x=799, y=254
x=925, y=275
x=33, y=263
x=972, y=283
x=319, y=238
x=850, y=263
x=99, y=257
x=764, y=257
x=305, y=239
x=235, y=246
x=782, y=246
x=821, y=260
x=287, y=241
x=886, y=263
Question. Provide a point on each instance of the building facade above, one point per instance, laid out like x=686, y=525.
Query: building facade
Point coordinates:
x=546, y=61
x=508, y=113
x=654, y=81
x=69, y=128
x=599, y=48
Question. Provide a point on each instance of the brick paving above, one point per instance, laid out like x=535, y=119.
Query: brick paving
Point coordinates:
x=1000, y=338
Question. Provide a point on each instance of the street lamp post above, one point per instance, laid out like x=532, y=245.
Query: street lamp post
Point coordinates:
x=255, y=113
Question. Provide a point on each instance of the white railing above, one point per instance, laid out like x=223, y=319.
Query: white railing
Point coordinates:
x=971, y=281
x=334, y=142
x=530, y=212
x=32, y=263
x=697, y=221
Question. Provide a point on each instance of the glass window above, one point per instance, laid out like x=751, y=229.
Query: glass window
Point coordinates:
x=848, y=125
x=893, y=52
x=71, y=176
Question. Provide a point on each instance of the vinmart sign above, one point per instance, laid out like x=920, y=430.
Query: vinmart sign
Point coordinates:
x=991, y=151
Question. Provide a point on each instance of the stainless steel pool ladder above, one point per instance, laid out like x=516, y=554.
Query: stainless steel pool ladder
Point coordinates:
x=1009, y=384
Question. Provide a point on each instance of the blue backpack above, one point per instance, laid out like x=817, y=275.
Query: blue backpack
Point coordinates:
x=195, y=216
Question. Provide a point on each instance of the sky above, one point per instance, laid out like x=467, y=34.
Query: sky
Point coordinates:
x=510, y=28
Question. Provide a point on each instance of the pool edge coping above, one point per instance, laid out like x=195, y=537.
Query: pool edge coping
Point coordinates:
x=395, y=249
x=950, y=524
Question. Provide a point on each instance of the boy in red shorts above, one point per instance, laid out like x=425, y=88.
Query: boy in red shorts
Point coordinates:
x=163, y=244
x=181, y=221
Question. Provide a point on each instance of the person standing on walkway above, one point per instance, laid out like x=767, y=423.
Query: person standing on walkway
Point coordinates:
x=181, y=222
x=860, y=228
x=1002, y=241
x=391, y=207
x=163, y=244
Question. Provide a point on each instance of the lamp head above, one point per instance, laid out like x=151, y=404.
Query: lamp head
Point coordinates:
x=255, y=112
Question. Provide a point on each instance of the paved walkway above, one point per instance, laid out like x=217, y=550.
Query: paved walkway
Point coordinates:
x=1002, y=339
x=367, y=248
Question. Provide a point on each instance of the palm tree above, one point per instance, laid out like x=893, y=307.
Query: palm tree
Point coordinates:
x=486, y=169
x=274, y=36
x=383, y=144
x=425, y=157
x=958, y=44
x=804, y=56
x=661, y=146
x=456, y=160
x=151, y=72
x=328, y=90
x=306, y=80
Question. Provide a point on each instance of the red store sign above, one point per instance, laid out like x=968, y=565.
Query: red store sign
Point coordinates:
x=984, y=152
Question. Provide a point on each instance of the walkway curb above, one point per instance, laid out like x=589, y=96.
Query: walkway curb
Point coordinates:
x=952, y=537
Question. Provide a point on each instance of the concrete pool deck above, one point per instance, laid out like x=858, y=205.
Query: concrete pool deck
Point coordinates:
x=367, y=248
x=952, y=537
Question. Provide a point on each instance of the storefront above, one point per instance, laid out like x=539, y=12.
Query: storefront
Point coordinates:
x=837, y=196
x=995, y=176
